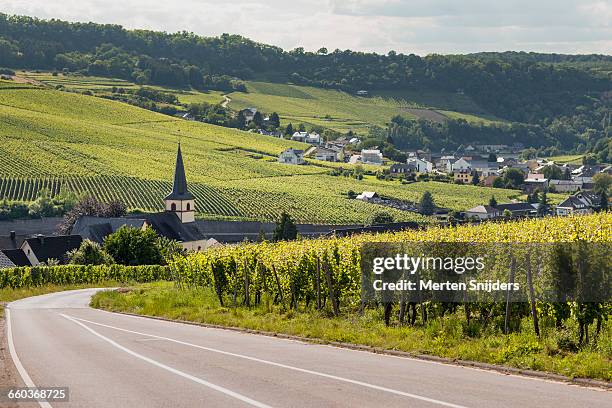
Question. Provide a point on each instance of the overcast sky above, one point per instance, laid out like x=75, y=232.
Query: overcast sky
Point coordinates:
x=408, y=26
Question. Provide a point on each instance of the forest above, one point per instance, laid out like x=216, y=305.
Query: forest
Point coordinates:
x=565, y=98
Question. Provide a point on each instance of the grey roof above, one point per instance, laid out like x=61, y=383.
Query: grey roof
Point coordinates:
x=6, y=242
x=5, y=261
x=54, y=247
x=97, y=228
x=17, y=257
x=168, y=225
x=179, y=187
x=516, y=207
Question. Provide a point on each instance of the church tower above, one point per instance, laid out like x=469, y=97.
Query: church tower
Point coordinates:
x=180, y=201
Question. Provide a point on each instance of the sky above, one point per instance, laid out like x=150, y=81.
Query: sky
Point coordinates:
x=408, y=26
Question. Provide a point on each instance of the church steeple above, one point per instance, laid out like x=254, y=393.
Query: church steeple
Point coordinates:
x=179, y=188
x=180, y=201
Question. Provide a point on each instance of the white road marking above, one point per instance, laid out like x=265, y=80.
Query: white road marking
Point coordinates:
x=302, y=370
x=20, y=368
x=170, y=369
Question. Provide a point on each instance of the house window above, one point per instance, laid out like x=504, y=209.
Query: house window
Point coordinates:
x=188, y=207
x=173, y=207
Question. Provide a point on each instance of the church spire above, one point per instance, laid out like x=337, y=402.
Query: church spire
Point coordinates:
x=179, y=188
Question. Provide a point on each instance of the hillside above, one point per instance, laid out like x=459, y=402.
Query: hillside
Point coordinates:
x=341, y=111
x=556, y=101
x=58, y=140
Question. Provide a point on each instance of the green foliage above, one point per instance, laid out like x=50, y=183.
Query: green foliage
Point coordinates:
x=77, y=274
x=89, y=253
x=427, y=205
x=492, y=201
x=602, y=182
x=381, y=217
x=286, y=229
x=553, y=172
x=132, y=246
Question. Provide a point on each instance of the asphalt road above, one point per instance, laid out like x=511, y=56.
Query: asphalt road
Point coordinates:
x=112, y=360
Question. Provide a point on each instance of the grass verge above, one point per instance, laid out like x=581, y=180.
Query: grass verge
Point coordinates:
x=449, y=337
x=9, y=295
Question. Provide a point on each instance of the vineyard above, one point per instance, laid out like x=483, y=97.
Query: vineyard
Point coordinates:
x=326, y=274
x=79, y=274
x=341, y=111
x=54, y=141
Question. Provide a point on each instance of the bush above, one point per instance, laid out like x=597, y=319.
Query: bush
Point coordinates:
x=90, y=253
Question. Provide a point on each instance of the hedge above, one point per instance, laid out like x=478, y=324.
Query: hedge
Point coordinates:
x=76, y=274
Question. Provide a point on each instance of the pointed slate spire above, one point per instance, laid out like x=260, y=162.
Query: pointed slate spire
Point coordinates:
x=179, y=188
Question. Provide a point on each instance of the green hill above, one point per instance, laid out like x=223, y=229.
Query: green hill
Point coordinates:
x=58, y=140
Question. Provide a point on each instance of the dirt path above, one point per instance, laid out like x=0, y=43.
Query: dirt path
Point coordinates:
x=23, y=80
x=226, y=101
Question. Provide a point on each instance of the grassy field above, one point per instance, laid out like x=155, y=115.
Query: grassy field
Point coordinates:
x=103, y=86
x=58, y=140
x=449, y=337
x=570, y=159
x=341, y=111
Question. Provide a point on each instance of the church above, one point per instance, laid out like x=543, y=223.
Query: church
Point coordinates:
x=177, y=222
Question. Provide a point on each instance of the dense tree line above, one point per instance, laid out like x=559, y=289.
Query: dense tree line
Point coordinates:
x=560, y=93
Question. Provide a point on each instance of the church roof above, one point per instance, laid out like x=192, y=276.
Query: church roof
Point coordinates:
x=179, y=187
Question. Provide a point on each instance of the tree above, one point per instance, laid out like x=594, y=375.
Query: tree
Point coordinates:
x=89, y=253
x=379, y=218
x=567, y=174
x=603, y=201
x=301, y=128
x=258, y=119
x=514, y=177
x=543, y=207
x=492, y=158
x=498, y=182
x=289, y=129
x=93, y=207
x=493, y=202
x=602, y=182
x=475, y=178
x=286, y=229
x=589, y=159
x=552, y=172
x=133, y=246
x=427, y=205
x=507, y=213
x=275, y=120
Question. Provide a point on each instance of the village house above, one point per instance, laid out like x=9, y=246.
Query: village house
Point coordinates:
x=372, y=157
x=299, y=136
x=564, y=186
x=519, y=209
x=292, y=156
x=531, y=185
x=460, y=165
x=367, y=195
x=311, y=138
x=446, y=163
x=421, y=165
x=326, y=154
x=248, y=114
x=42, y=249
x=402, y=168
x=483, y=212
x=463, y=176
x=580, y=203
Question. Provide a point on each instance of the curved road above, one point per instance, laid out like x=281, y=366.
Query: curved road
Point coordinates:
x=113, y=360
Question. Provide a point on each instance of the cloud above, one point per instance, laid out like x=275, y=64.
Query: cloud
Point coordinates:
x=417, y=26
